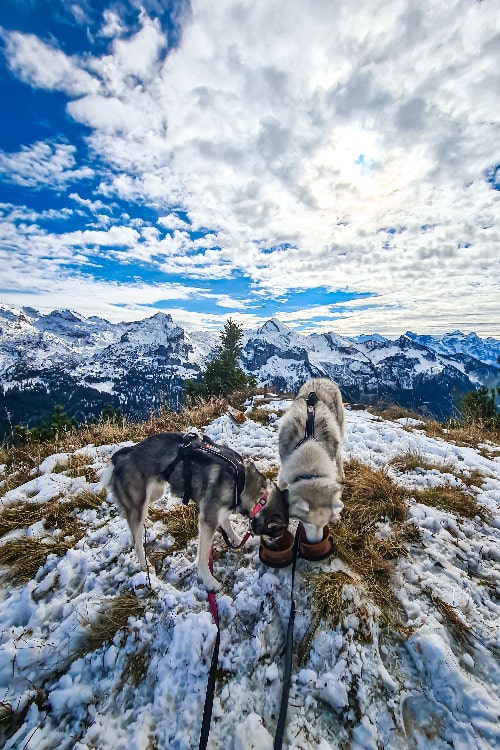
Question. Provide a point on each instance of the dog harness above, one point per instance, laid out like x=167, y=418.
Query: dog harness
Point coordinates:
x=311, y=402
x=193, y=442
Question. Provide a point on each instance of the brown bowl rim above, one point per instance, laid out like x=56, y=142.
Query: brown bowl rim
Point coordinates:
x=277, y=558
x=315, y=550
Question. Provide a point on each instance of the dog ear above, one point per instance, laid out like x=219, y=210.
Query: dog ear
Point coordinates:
x=250, y=466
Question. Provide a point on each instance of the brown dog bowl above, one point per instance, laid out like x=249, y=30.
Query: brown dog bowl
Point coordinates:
x=315, y=550
x=280, y=554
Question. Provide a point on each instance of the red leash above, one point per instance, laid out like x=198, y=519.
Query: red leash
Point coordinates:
x=209, y=697
x=212, y=602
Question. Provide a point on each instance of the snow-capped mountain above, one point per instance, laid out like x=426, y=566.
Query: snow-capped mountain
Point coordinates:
x=85, y=364
x=401, y=371
x=485, y=350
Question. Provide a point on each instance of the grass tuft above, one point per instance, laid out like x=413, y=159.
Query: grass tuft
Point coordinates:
x=452, y=500
x=328, y=593
x=271, y=473
x=136, y=667
x=181, y=522
x=412, y=460
x=113, y=616
x=460, y=630
x=25, y=556
x=371, y=497
x=57, y=514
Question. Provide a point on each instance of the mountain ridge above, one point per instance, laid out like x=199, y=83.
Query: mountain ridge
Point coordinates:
x=86, y=364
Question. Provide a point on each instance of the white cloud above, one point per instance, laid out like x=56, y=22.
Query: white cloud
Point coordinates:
x=172, y=221
x=46, y=67
x=48, y=164
x=92, y=206
x=315, y=124
x=112, y=24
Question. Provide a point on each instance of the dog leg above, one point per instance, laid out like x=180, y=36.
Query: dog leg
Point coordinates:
x=137, y=531
x=205, y=536
x=231, y=533
x=136, y=523
x=340, y=468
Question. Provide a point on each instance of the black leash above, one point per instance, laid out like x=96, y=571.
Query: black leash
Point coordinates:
x=287, y=673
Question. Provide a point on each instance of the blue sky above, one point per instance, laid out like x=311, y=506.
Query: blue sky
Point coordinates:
x=335, y=165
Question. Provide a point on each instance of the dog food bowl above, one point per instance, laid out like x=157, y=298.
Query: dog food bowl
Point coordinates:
x=315, y=550
x=279, y=552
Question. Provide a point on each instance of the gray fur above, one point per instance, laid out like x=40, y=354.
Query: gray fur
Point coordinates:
x=136, y=480
x=313, y=472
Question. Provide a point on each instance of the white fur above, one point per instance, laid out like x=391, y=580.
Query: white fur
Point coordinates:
x=312, y=471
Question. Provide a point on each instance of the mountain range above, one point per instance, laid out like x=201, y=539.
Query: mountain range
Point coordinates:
x=85, y=364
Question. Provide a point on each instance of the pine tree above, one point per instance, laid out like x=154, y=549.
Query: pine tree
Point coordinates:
x=60, y=422
x=479, y=407
x=222, y=375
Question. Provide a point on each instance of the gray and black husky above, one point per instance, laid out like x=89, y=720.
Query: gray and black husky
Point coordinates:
x=138, y=475
x=311, y=471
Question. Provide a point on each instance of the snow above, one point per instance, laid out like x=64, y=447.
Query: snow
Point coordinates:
x=425, y=690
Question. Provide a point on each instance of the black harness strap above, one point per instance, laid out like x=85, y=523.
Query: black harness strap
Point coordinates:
x=287, y=672
x=193, y=442
x=237, y=466
x=311, y=402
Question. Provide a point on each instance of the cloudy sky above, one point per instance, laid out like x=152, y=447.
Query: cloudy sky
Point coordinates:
x=335, y=164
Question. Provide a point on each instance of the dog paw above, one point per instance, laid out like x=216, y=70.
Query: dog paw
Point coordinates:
x=149, y=568
x=211, y=583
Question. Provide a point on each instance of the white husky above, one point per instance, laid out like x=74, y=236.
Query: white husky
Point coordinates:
x=311, y=463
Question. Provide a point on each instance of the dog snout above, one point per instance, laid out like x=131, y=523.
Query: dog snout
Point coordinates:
x=274, y=527
x=275, y=530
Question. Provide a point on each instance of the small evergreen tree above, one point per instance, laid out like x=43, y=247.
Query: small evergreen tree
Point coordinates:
x=222, y=374
x=111, y=415
x=59, y=423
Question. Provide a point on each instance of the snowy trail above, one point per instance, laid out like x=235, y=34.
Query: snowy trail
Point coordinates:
x=430, y=689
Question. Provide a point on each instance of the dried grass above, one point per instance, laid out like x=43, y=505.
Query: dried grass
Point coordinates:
x=393, y=412
x=258, y=415
x=328, y=593
x=180, y=522
x=77, y=465
x=469, y=435
x=136, y=667
x=474, y=478
x=412, y=460
x=56, y=513
x=370, y=496
x=460, y=630
x=271, y=473
x=113, y=616
x=452, y=500
x=25, y=556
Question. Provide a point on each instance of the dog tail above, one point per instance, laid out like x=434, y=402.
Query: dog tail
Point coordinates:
x=107, y=476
